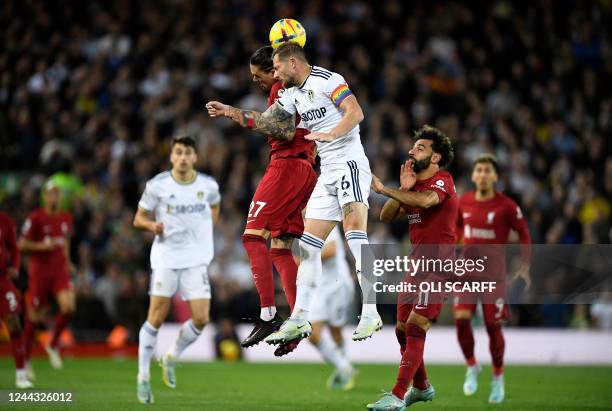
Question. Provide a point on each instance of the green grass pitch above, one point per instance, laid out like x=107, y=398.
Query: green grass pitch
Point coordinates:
x=107, y=384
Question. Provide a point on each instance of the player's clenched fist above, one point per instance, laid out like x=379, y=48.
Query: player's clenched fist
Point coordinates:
x=377, y=185
x=157, y=228
x=216, y=109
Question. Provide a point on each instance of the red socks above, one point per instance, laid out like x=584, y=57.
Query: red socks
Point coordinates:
x=496, y=346
x=466, y=339
x=18, y=349
x=287, y=268
x=261, y=267
x=420, y=377
x=401, y=339
x=412, y=360
x=61, y=321
x=28, y=336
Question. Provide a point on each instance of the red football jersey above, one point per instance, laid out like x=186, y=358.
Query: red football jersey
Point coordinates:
x=41, y=224
x=434, y=225
x=298, y=147
x=490, y=222
x=9, y=254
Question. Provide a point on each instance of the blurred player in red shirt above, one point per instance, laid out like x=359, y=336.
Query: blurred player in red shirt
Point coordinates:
x=46, y=236
x=276, y=209
x=487, y=217
x=427, y=196
x=10, y=298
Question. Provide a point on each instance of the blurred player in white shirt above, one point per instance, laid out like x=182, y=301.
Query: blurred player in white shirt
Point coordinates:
x=330, y=307
x=180, y=207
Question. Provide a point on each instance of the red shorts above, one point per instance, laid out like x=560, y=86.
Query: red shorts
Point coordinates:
x=492, y=312
x=41, y=287
x=10, y=298
x=281, y=196
x=417, y=303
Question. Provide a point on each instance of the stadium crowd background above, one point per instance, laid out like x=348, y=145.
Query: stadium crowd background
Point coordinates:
x=95, y=90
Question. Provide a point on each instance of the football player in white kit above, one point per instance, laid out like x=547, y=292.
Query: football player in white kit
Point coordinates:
x=327, y=108
x=180, y=207
x=330, y=306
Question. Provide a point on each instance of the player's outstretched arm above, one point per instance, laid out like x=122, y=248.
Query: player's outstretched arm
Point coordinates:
x=275, y=121
x=353, y=115
x=420, y=199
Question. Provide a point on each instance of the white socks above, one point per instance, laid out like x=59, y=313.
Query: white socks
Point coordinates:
x=146, y=347
x=310, y=271
x=333, y=354
x=355, y=239
x=187, y=335
x=267, y=313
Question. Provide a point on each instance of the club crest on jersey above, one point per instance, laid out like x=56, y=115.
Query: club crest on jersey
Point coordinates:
x=311, y=96
x=490, y=217
x=200, y=195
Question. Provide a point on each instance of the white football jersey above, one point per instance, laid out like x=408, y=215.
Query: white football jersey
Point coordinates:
x=185, y=210
x=317, y=103
x=336, y=269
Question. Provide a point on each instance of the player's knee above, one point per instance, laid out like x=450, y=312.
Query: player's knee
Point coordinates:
x=34, y=315
x=200, y=320
x=354, y=217
x=283, y=242
x=419, y=321
x=13, y=324
x=463, y=315
x=314, y=338
x=67, y=307
x=156, y=317
x=336, y=334
x=400, y=326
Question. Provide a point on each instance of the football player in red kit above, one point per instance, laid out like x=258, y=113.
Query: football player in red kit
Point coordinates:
x=276, y=209
x=10, y=299
x=486, y=217
x=427, y=196
x=45, y=236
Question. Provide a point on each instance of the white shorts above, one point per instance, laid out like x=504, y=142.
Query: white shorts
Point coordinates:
x=338, y=185
x=191, y=282
x=332, y=303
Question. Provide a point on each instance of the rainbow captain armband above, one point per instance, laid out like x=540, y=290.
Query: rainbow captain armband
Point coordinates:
x=340, y=93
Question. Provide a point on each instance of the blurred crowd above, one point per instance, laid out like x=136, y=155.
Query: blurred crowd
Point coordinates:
x=95, y=90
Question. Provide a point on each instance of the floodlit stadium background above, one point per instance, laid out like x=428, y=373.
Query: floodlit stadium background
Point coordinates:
x=94, y=91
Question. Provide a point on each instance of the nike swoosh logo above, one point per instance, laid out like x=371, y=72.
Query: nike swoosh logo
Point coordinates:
x=248, y=221
x=301, y=326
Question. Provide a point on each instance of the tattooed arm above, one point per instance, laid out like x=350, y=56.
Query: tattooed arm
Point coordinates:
x=275, y=121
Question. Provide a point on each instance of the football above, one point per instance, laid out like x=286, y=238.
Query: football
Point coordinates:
x=287, y=30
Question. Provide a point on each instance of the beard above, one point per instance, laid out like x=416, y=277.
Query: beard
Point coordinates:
x=420, y=165
x=290, y=82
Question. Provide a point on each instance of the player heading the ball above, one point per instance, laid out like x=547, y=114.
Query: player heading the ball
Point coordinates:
x=329, y=110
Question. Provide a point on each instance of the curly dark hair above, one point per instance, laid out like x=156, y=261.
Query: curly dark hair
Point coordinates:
x=441, y=143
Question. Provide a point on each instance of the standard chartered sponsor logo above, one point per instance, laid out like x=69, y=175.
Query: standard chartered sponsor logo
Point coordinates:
x=483, y=233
